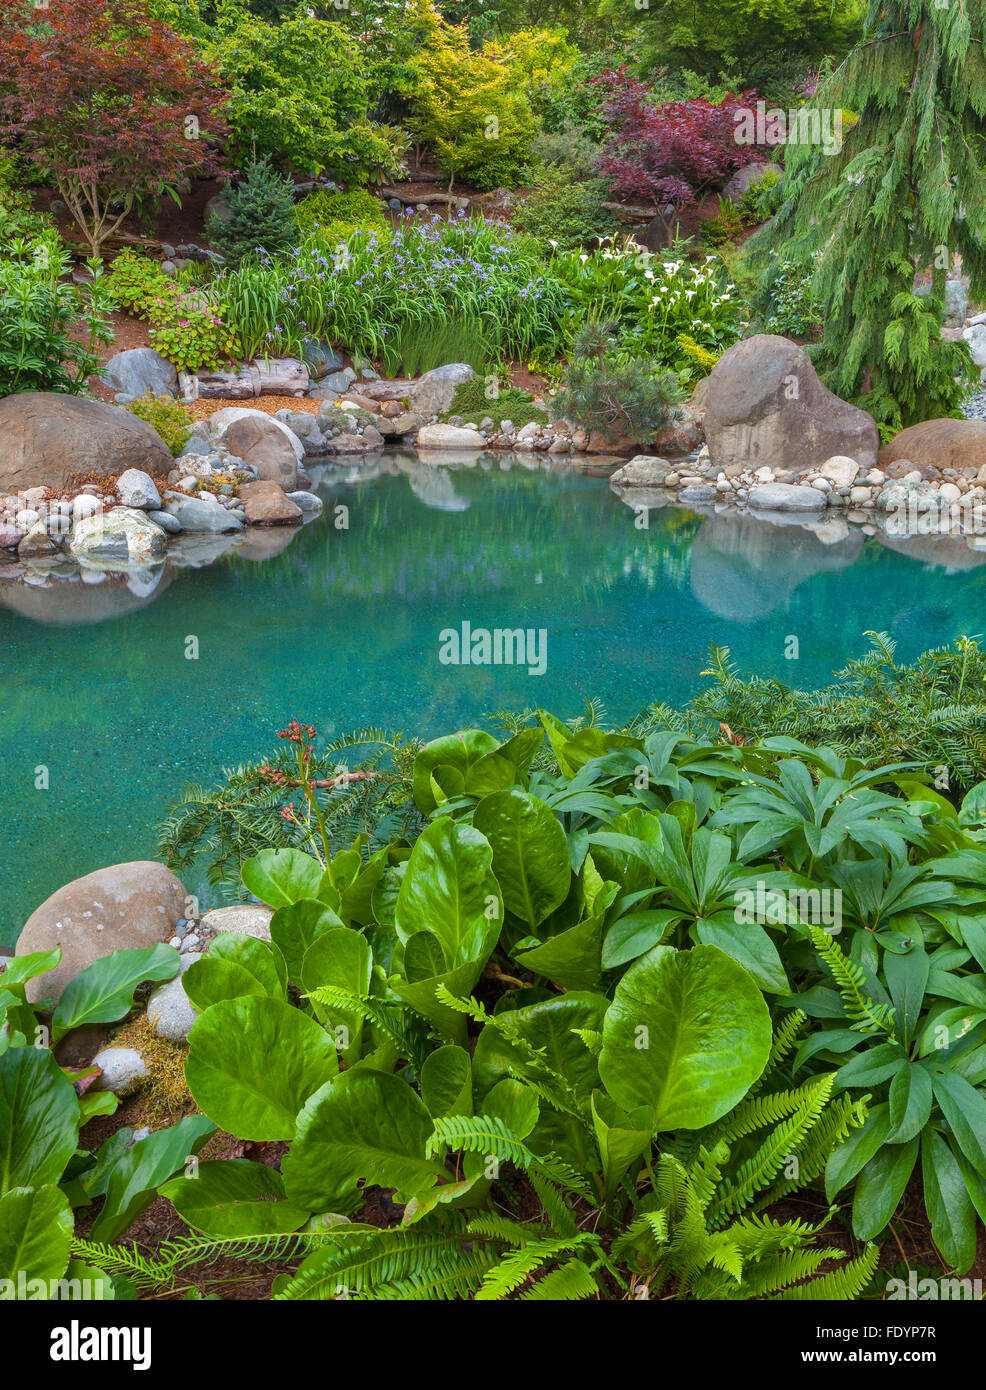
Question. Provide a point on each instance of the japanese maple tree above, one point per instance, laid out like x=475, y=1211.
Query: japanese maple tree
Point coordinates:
x=668, y=154
x=111, y=104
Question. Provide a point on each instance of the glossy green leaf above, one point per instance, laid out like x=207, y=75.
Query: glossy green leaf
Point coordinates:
x=622, y=1138
x=880, y=1186
x=947, y=1201
x=252, y=1063
x=964, y=1107
x=910, y=1103
x=635, y=934
x=234, y=966
x=134, y=1180
x=234, y=1198
x=446, y=1082
x=687, y=1035
x=855, y=1152
x=279, y=877
x=35, y=1239
x=449, y=890
x=530, y=853
x=293, y=929
x=457, y=752
x=39, y=1118
x=104, y=991
x=342, y=959
x=363, y=1127
x=572, y=959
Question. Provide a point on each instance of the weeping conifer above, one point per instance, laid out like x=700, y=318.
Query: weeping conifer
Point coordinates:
x=902, y=196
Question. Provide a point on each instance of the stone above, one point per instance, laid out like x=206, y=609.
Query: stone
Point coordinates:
x=46, y=437
x=309, y=502
x=956, y=302
x=404, y=423
x=121, y=907
x=350, y=444
x=372, y=437
x=681, y=436
x=139, y=372
x=266, y=505
x=168, y=523
x=904, y=496
x=320, y=359
x=742, y=180
x=643, y=471
x=10, y=535
x=948, y=492
x=169, y=1009
x=122, y=536
x=860, y=494
x=766, y=407
x=938, y=444
x=698, y=492
x=331, y=386
x=785, y=497
x=201, y=514
x=433, y=392
x=448, y=437
x=279, y=376
x=839, y=471
x=219, y=208
x=122, y=1068
x=263, y=443
x=136, y=489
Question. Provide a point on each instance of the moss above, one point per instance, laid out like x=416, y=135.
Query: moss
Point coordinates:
x=164, y=1090
x=471, y=403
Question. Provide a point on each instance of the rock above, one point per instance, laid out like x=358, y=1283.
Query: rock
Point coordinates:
x=136, y=489
x=306, y=427
x=948, y=492
x=938, y=444
x=349, y=444
x=433, y=393
x=785, y=497
x=448, y=436
x=267, y=445
x=46, y=437
x=168, y=523
x=681, y=436
x=121, y=1067
x=956, y=302
x=169, y=1009
x=742, y=180
x=372, y=437
x=765, y=406
x=309, y=502
x=266, y=505
x=643, y=471
x=320, y=359
x=331, y=386
x=36, y=542
x=121, y=907
x=140, y=371
x=202, y=514
x=122, y=536
x=10, y=535
x=404, y=423
x=904, y=496
x=279, y=376
x=839, y=471
x=698, y=492
x=860, y=494
x=219, y=208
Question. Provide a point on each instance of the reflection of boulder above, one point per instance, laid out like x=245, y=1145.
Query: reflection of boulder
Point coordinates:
x=258, y=545
x=434, y=488
x=743, y=568
x=951, y=553
x=71, y=603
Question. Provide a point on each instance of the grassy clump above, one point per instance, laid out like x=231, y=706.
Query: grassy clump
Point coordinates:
x=164, y=1090
x=510, y=403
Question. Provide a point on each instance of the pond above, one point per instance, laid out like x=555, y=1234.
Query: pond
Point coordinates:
x=105, y=696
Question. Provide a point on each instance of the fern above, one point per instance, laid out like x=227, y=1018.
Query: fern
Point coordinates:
x=863, y=1013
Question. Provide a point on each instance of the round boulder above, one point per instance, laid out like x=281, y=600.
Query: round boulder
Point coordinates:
x=139, y=371
x=939, y=444
x=45, y=438
x=125, y=906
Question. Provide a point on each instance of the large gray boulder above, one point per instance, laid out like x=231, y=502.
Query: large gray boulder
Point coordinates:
x=258, y=439
x=766, y=407
x=646, y=470
x=139, y=371
x=122, y=907
x=786, y=497
x=433, y=393
x=449, y=437
x=202, y=514
x=45, y=438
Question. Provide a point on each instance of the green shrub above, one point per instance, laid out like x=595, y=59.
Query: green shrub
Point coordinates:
x=569, y=149
x=336, y=214
x=38, y=311
x=563, y=212
x=139, y=284
x=166, y=416
x=195, y=338
x=726, y=227
x=763, y=197
x=18, y=220
x=793, y=308
x=261, y=216
x=484, y=396
x=610, y=393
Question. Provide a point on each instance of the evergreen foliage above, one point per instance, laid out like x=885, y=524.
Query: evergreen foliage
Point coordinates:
x=261, y=216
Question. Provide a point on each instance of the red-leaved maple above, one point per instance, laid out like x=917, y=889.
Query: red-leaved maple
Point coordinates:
x=111, y=104
x=668, y=154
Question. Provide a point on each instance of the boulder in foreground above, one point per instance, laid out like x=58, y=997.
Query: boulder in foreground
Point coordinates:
x=45, y=438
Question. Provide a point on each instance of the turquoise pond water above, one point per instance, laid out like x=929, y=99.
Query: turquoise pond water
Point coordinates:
x=342, y=628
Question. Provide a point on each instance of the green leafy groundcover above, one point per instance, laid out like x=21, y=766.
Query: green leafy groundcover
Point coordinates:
x=652, y=985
